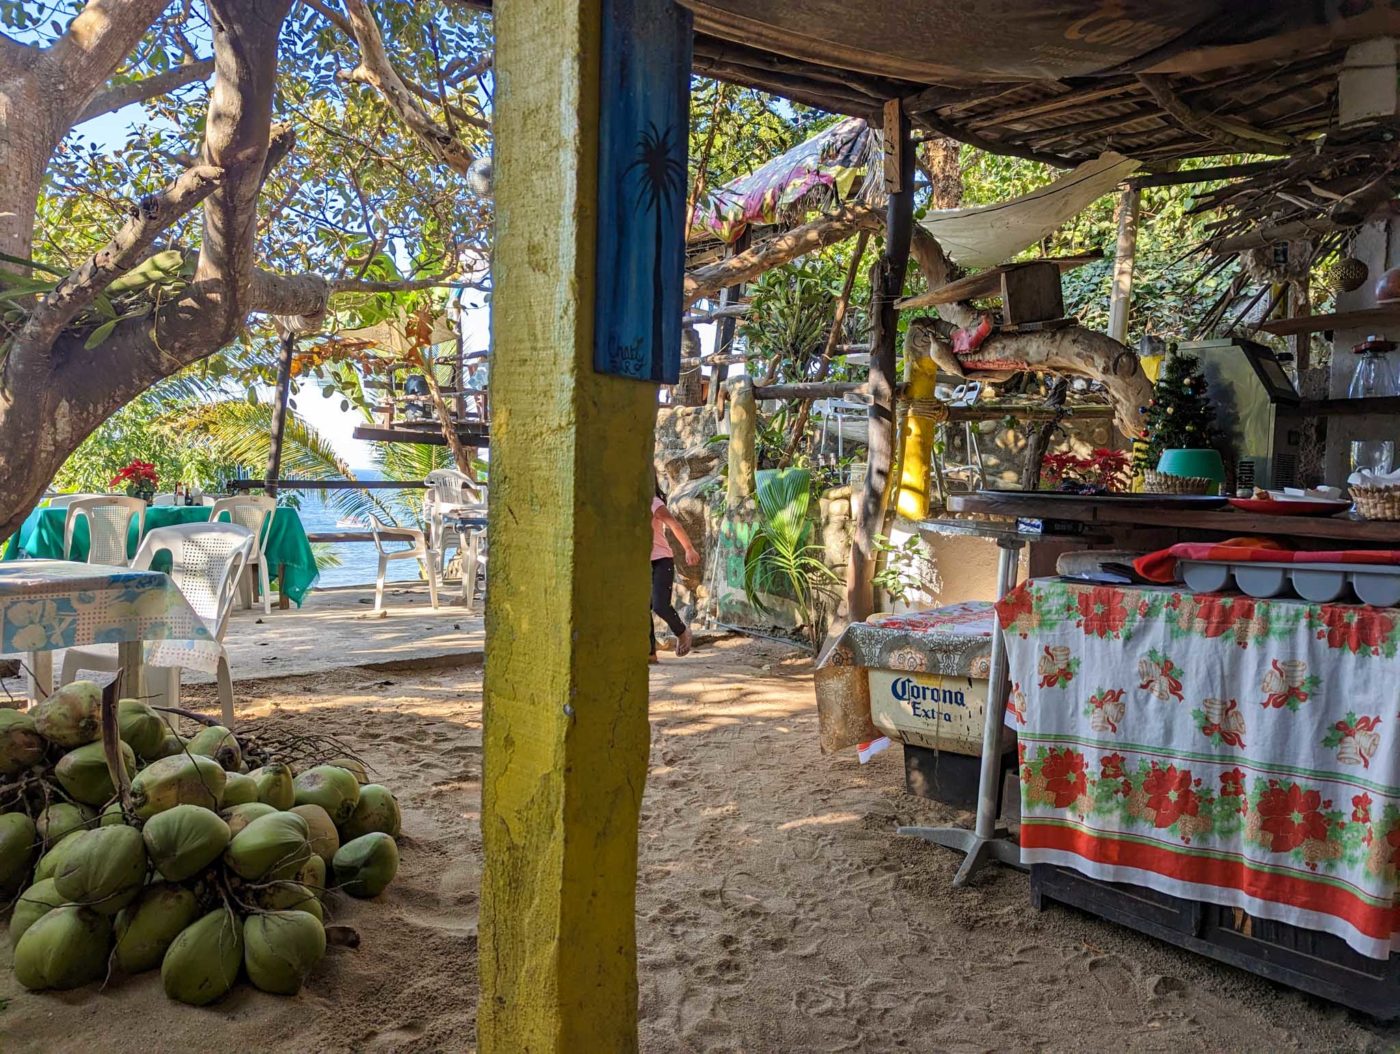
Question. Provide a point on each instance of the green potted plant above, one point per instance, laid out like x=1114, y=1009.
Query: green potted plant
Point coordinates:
x=1181, y=440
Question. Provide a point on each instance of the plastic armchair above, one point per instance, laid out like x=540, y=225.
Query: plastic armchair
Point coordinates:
x=207, y=561
x=163, y=499
x=109, y=522
x=62, y=501
x=417, y=550
x=451, y=494
x=254, y=513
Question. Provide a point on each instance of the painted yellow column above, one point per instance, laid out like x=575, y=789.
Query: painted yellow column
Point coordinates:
x=566, y=733
x=911, y=500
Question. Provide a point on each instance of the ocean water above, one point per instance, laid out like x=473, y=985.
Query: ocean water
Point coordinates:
x=359, y=561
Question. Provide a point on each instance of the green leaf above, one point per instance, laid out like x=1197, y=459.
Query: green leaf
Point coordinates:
x=100, y=334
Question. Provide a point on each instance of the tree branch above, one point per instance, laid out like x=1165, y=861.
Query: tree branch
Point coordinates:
x=119, y=95
x=825, y=230
x=307, y=294
x=378, y=72
x=151, y=215
x=81, y=61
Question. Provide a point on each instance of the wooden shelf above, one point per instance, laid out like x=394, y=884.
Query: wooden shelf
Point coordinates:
x=1383, y=315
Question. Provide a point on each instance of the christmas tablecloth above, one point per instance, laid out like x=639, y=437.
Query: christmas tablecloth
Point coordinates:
x=1220, y=748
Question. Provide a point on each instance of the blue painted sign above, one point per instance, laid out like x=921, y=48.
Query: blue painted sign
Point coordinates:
x=643, y=138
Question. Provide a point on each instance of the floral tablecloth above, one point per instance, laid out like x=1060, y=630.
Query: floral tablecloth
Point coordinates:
x=50, y=604
x=1238, y=751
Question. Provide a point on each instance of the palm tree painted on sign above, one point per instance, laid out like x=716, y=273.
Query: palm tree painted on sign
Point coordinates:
x=662, y=182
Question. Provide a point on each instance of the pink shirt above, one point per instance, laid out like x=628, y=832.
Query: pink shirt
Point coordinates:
x=660, y=545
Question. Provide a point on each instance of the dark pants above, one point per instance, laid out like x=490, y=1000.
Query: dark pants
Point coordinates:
x=663, y=577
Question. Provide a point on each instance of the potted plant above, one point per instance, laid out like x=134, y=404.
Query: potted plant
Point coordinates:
x=139, y=479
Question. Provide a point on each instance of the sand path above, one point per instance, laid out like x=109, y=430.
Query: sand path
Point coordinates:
x=777, y=911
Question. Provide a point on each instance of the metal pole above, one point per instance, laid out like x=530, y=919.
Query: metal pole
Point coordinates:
x=1008, y=565
x=279, y=413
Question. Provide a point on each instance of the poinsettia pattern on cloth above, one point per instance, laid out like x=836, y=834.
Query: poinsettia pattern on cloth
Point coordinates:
x=1274, y=788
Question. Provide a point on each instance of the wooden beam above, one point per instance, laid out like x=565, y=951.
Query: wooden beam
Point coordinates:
x=988, y=283
x=1235, y=135
x=934, y=123
x=566, y=735
x=1121, y=292
x=432, y=435
x=886, y=286
x=807, y=390
x=1185, y=177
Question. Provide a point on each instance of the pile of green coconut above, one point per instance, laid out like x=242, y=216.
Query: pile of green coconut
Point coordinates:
x=190, y=860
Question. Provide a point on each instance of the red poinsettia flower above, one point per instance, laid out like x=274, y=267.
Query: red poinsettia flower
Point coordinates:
x=1232, y=784
x=1102, y=610
x=1361, y=808
x=1064, y=776
x=1291, y=815
x=1356, y=629
x=1392, y=839
x=1216, y=615
x=1169, y=794
x=1112, y=766
x=1014, y=605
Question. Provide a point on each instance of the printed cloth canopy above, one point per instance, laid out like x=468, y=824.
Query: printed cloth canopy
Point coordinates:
x=832, y=159
x=1219, y=748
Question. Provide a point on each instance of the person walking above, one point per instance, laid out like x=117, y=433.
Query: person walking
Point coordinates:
x=663, y=573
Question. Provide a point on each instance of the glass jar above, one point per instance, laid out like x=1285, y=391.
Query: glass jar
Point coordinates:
x=1374, y=377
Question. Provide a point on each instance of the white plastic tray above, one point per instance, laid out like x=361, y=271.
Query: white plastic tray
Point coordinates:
x=1374, y=584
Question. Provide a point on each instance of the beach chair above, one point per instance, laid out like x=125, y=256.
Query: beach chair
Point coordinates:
x=255, y=513
x=109, y=522
x=207, y=561
x=453, y=495
x=417, y=550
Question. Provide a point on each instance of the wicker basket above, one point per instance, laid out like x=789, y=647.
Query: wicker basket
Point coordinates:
x=1377, y=503
x=1159, y=483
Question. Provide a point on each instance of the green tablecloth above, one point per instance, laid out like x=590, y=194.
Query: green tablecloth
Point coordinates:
x=288, y=552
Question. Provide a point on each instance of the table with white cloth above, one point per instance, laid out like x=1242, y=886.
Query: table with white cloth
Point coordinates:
x=49, y=605
x=1216, y=748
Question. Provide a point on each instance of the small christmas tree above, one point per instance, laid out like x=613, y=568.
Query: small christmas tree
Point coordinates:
x=1179, y=415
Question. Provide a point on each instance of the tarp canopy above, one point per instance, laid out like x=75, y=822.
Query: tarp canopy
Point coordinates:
x=986, y=235
x=831, y=159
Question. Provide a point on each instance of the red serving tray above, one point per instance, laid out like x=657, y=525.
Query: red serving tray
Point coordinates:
x=1291, y=507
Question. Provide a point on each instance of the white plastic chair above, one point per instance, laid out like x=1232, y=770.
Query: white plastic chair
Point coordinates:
x=207, y=561
x=62, y=501
x=163, y=499
x=451, y=492
x=417, y=550
x=254, y=513
x=109, y=522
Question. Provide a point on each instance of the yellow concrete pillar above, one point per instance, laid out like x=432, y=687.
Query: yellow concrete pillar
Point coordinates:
x=911, y=500
x=566, y=733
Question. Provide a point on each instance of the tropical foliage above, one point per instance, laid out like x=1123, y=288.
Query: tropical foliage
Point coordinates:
x=782, y=562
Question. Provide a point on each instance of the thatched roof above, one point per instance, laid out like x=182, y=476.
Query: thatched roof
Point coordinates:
x=1056, y=80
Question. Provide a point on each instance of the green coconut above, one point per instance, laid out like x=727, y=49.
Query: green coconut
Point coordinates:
x=57, y=821
x=272, y=846
x=325, y=839
x=240, y=816
x=239, y=789
x=21, y=746
x=280, y=948
x=141, y=727
x=331, y=787
x=169, y=747
x=353, y=766
x=105, y=869
x=71, y=716
x=51, y=861
x=275, y=786
x=146, y=929
x=33, y=904
x=377, y=810
x=178, y=780
x=19, y=840
x=112, y=815
x=289, y=896
x=202, y=963
x=83, y=772
x=183, y=841
x=312, y=874
x=219, y=743
x=65, y=948
x=365, y=865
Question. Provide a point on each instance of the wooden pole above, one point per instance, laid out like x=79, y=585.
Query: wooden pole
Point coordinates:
x=566, y=735
x=279, y=412
x=887, y=286
x=1121, y=297
x=460, y=454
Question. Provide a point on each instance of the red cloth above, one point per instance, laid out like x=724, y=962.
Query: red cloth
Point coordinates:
x=1161, y=565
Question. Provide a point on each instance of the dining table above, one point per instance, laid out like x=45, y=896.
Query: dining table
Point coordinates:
x=290, y=559
x=50, y=605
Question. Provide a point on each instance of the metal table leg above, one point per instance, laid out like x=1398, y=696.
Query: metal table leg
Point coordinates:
x=986, y=841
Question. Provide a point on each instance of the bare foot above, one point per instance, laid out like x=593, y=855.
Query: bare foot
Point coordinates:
x=684, y=643
x=652, y=660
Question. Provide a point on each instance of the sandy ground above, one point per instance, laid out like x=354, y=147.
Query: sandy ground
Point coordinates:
x=777, y=911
